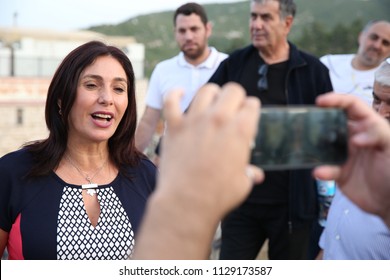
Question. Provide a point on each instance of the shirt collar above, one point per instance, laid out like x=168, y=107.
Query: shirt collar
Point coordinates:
x=208, y=63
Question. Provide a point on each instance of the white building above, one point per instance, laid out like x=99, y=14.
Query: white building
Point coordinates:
x=37, y=52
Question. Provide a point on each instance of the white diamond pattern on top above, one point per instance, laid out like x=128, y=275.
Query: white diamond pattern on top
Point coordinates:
x=77, y=239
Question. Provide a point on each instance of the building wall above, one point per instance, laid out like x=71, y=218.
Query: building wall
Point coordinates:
x=37, y=53
x=22, y=102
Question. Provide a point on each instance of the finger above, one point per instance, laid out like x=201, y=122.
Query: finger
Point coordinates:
x=228, y=102
x=254, y=174
x=372, y=138
x=203, y=98
x=356, y=109
x=367, y=128
x=370, y=132
x=327, y=172
x=171, y=109
x=248, y=118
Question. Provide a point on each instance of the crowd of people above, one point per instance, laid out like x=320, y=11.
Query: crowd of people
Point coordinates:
x=88, y=191
x=354, y=74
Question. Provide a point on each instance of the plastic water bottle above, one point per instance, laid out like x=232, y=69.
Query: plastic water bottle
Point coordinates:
x=326, y=191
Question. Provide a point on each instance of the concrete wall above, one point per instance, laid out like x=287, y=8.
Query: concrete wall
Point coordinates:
x=22, y=102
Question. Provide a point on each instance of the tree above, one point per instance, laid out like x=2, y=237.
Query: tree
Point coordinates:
x=341, y=38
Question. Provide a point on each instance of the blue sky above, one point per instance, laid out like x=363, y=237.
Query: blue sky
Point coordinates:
x=66, y=15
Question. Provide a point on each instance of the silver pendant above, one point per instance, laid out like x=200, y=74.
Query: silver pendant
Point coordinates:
x=91, y=188
x=91, y=192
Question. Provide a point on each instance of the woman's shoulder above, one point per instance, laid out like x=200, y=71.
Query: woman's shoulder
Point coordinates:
x=18, y=159
x=147, y=167
x=144, y=166
x=14, y=166
x=147, y=163
x=142, y=176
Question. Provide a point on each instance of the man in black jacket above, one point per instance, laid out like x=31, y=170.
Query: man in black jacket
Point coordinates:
x=284, y=207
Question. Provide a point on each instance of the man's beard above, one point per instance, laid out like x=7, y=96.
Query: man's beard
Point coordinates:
x=194, y=53
x=371, y=57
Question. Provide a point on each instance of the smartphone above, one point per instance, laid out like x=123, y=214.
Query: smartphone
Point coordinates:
x=300, y=137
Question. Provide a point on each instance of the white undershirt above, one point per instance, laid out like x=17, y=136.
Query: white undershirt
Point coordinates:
x=346, y=79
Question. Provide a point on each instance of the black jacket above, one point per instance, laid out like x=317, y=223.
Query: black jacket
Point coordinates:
x=306, y=78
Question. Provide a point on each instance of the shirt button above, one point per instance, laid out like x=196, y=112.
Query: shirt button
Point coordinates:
x=346, y=211
x=337, y=237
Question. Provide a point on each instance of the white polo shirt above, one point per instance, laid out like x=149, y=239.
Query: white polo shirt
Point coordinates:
x=176, y=72
x=346, y=79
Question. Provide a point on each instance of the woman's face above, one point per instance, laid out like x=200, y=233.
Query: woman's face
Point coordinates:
x=100, y=103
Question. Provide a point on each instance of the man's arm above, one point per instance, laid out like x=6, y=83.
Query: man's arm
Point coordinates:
x=146, y=128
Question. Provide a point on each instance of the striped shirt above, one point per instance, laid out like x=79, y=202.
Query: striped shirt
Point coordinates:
x=353, y=234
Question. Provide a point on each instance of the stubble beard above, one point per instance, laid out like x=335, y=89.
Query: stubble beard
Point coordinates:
x=194, y=54
x=371, y=57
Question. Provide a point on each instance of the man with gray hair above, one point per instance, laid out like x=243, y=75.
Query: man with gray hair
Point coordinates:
x=350, y=232
x=381, y=93
x=283, y=208
x=354, y=73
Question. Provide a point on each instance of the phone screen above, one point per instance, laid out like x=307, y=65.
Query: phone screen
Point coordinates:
x=300, y=137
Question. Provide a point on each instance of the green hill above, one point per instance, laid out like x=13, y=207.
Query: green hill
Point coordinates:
x=314, y=22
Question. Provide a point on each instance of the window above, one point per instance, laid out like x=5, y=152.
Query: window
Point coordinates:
x=19, y=116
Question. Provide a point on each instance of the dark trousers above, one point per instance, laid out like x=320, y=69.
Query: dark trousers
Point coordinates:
x=245, y=230
x=314, y=247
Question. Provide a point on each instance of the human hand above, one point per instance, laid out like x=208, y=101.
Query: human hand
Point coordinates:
x=203, y=172
x=364, y=178
x=206, y=151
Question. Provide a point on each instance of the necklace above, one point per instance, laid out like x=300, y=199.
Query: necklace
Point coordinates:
x=90, y=187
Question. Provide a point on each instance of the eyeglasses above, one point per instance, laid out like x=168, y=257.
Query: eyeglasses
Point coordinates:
x=262, y=84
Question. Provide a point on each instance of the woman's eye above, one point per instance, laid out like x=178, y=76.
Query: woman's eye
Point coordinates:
x=90, y=85
x=119, y=89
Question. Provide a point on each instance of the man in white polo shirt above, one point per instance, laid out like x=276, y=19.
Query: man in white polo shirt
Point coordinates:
x=189, y=70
